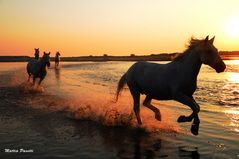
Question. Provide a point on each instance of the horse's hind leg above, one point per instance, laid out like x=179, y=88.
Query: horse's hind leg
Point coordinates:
x=34, y=80
x=39, y=83
x=136, y=96
x=147, y=103
x=29, y=77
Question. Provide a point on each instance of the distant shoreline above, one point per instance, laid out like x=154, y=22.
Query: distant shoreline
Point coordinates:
x=225, y=55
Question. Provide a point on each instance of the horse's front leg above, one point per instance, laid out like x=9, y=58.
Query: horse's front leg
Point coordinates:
x=195, y=125
x=189, y=101
x=41, y=79
x=184, y=118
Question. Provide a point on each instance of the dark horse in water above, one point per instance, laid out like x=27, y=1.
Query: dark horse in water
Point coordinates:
x=38, y=68
x=176, y=80
x=57, y=59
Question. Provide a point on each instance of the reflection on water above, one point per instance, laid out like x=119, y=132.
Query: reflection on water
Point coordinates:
x=57, y=73
x=219, y=89
x=230, y=90
x=233, y=62
x=233, y=77
x=190, y=152
x=233, y=115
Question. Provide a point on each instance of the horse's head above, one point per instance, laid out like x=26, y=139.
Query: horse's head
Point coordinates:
x=46, y=58
x=36, y=50
x=58, y=53
x=209, y=55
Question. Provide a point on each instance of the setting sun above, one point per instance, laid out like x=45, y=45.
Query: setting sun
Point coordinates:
x=232, y=27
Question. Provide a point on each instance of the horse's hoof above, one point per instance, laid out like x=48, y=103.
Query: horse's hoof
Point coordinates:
x=194, y=129
x=139, y=123
x=158, y=117
x=181, y=119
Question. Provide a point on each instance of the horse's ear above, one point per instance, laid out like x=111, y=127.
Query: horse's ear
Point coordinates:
x=206, y=39
x=211, y=40
x=49, y=53
x=44, y=53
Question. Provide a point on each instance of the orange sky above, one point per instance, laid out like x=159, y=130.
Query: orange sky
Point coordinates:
x=115, y=27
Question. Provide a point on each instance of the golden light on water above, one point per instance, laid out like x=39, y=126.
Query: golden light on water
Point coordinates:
x=233, y=114
x=231, y=94
x=234, y=62
x=233, y=77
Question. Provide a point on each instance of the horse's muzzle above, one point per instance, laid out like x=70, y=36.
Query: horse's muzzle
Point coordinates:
x=48, y=64
x=220, y=66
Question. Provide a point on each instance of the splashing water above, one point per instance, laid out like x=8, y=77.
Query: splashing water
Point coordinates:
x=113, y=114
x=27, y=87
x=88, y=101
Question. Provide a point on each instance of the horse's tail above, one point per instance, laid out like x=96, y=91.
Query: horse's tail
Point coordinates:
x=121, y=85
x=28, y=67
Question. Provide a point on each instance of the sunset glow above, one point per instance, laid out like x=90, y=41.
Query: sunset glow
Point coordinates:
x=92, y=27
x=234, y=77
x=232, y=27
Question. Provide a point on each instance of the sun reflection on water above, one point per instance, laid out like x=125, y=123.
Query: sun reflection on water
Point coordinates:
x=229, y=95
x=233, y=114
x=234, y=62
x=233, y=77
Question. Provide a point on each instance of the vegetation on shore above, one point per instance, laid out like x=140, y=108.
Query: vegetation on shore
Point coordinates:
x=226, y=55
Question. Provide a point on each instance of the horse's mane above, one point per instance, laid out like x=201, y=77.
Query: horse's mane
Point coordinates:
x=191, y=45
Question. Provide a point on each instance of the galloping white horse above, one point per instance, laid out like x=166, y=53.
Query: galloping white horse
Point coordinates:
x=176, y=80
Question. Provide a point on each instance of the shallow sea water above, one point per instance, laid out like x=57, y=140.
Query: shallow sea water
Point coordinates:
x=73, y=115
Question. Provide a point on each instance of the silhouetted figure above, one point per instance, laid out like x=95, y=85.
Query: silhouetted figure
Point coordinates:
x=37, y=68
x=176, y=80
x=57, y=59
x=36, y=53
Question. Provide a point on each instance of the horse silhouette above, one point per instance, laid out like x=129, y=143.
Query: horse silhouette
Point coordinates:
x=57, y=59
x=38, y=68
x=36, y=53
x=176, y=80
